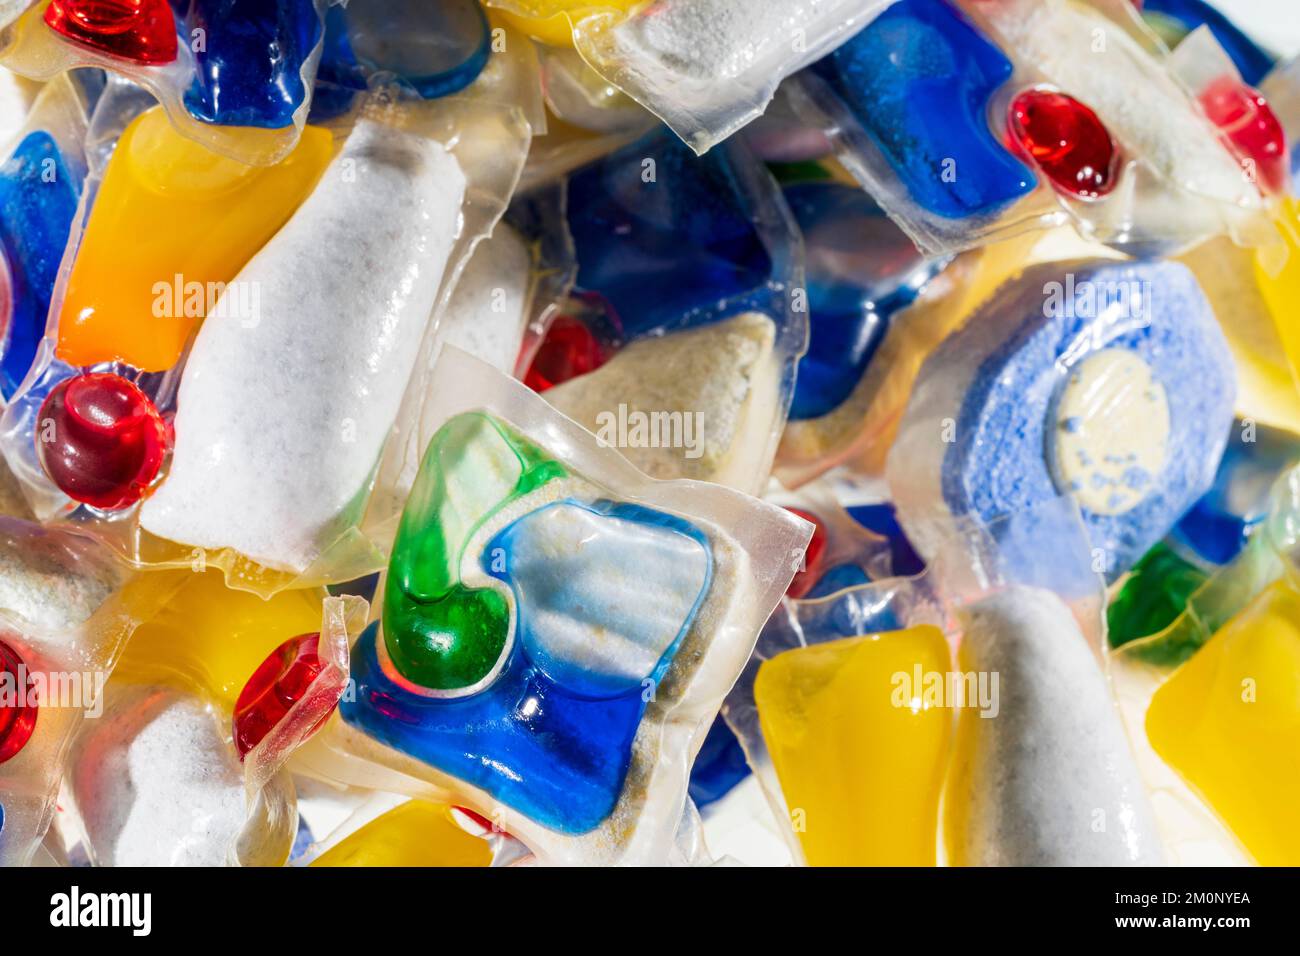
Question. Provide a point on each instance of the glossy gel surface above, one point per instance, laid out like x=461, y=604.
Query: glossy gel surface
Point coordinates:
x=860, y=759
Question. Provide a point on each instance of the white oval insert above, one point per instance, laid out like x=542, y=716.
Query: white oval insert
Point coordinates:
x=1109, y=436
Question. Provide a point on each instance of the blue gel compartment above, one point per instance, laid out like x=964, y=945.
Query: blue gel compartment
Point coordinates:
x=38, y=201
x=719, y=766
x=1215, y=530
x=861, y=269
x=249, y=72
x=918, y=79
x=667, y=237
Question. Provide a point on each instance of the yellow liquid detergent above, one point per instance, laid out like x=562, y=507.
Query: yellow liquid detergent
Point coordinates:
x=171, y=220
x=1281, y=291
x=551, y=21
x=210, y=639
x=859, y=753
x=1228, y=721
x=415, y=834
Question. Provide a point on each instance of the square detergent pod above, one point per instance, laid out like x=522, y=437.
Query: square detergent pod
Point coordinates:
x=585, y=620
x=679, y=346
x=972, y=120
x=184, y=767
x=958, y=717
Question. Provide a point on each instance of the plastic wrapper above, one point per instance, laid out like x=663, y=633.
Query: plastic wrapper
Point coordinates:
x=432, y=176
x=1267, y=390
x=66, y=610
x=708, y=67
x=1211, y=707
x=16, y=95
x=1245, y=120
x=1281, y=88
x=696, y=334
x=1277, y=276
x=578, y=95
x=41, y=181
x=861, y=271
x=842, y=553
x=961, y=716
x=1142, y=167
x=1110, y=382
x=234, y=75
x=185, y=766
x=522, y=534
x=1217, y=527
x=1172, y=20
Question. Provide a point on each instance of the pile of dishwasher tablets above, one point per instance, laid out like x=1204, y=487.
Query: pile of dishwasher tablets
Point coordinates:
x=590, y=432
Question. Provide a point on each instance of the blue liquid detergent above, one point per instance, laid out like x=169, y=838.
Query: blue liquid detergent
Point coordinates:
x=1216, y=528
x=881, y=518
x=861, y=269
x=666, y=236
x=919, y=78
x=38, y=200
x=249, y=70
x=719, y=766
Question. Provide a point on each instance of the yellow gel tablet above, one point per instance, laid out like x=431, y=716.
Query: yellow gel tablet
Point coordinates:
x=210, y=639
x=1228, y=721
x=171, y=224
x=415, y=834
x=858, y=750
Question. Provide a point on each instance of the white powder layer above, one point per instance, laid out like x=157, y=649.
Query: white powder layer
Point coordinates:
x=485, y=316
x=1049, y=780
x=723, y=376
x=280, y=421
x=43, y=588
x=722, y=39
x=158, y=785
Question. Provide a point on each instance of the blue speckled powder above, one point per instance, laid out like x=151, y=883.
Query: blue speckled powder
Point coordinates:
x=999, y=461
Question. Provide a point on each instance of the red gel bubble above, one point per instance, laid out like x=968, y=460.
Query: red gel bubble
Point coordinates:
x=1247, y=121
x=1066, y=140
x=101, y=440
x=806, y=579
x=568, y=350
x=143, y=31
x=18, y=717
x=279, y=682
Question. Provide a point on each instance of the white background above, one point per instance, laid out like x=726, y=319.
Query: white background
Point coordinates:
x=1273, y=24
